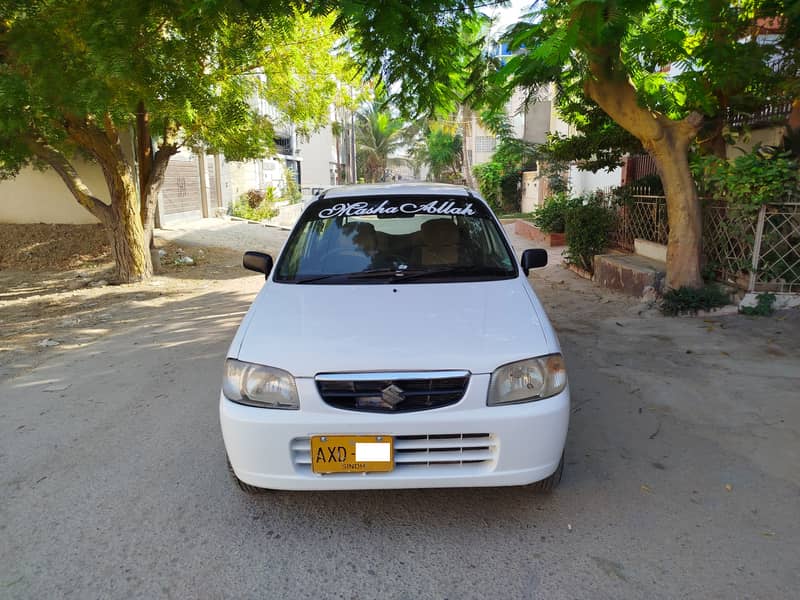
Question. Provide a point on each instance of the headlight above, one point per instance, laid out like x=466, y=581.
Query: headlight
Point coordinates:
x=257, y=385
x=527, y=380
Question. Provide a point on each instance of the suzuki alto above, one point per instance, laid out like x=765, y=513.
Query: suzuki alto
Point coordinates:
x=396, y=343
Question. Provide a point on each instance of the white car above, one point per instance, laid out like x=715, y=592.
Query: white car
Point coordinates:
x=396, y=344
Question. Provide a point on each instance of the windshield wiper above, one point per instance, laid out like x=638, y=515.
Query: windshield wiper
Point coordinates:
x=396, y=275
x=368, y=274
x=320, y=277
x=444, y=271
x=383, y=272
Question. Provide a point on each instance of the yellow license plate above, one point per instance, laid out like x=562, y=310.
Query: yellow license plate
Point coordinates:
x=351, y=453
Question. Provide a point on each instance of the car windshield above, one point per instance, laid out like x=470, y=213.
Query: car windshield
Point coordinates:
x=395, y=239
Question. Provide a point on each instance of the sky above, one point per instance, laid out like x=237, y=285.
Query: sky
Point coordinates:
x=507, y=15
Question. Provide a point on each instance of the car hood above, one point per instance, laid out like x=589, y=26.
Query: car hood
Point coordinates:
x=310, y=329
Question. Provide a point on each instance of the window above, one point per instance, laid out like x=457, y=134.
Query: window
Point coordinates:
x=485, y=143
x=380, y=240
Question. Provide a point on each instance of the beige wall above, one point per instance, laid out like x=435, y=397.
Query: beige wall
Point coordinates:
x=768, y=136
x=531, y=191
x=41, y=196
x=36, y=196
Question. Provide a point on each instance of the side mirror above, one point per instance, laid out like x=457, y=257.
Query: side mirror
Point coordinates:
x=257, y=261
x=533, y=258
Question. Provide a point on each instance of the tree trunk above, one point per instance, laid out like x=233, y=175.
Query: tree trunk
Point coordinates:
x=684, y=213
x=152, y=168
x=667, y=141
x=130, y=247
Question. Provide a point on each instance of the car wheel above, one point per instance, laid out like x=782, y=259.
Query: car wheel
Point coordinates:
x=245, y=487
x=547, y=485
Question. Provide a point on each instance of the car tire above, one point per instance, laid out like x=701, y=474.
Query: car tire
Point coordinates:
x=245, y=487
x=547, y=485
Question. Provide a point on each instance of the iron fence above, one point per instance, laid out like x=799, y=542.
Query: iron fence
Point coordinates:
x=756, y=250
x=645, y=217
x=776, y=257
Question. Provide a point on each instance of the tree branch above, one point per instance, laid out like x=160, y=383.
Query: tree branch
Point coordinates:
x=111, y=131
x=155, y=178
x=617, y=97
x=70, y=176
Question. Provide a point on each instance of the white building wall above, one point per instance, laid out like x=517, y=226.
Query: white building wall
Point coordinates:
x=586, y=182
x=319, y=158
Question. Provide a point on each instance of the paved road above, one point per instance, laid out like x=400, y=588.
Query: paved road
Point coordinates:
x=116, y=487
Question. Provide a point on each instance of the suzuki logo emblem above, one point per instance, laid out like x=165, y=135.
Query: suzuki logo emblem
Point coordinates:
x=392, y=395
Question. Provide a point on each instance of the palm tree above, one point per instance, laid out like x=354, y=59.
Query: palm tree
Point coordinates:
x=378, y=135
x=441, y=149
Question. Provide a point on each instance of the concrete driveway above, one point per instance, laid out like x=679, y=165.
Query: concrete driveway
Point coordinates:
x=682, y=478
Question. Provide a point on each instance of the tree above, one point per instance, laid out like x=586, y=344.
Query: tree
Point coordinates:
x=378, y=135
x=612, y=52
x=441, y=148
x=76, y=76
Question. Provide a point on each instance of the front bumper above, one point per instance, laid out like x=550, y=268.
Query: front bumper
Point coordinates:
x=520, y=444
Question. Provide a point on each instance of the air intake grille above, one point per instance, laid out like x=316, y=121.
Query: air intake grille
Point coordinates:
x=424, y=452
x=392, y=392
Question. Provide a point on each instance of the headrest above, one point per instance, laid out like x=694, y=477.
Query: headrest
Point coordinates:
x=442, y=232
x=362, y=234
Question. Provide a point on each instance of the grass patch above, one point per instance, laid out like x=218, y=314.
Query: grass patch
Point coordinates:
x=687, y=300
x=519, y=215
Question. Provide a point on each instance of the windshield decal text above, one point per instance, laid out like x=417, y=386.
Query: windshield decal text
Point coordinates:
x=359, y=209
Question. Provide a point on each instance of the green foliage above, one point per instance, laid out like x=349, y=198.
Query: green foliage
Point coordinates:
x=490, y=177
x=499, y=179
x=441, y=150
x=587, y=230
x=423, y=51
x=378, y=135
x=597, y=144
x=687, y=300
x=195, y=71
x=764, y=307
x=255, y=205
x=291, y=191
x=551, y=217
x=554, y=171
x=749, y=180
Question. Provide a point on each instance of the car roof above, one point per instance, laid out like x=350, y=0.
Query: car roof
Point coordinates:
x=396, y=189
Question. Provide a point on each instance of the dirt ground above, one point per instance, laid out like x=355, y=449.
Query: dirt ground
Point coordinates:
x=54, y=289
x=44, y=247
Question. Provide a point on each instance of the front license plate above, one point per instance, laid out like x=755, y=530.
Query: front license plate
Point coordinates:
x=351, y=453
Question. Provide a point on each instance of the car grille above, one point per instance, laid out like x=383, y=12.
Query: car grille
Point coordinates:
x=392, y=392
x=423, y=452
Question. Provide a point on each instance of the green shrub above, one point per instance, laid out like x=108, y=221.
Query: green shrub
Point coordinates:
x=291, y=191
x=550, y=217
x=687, y=300
x=255, y=205
x=764, y=306
x=752, y=179
x=587, y=229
